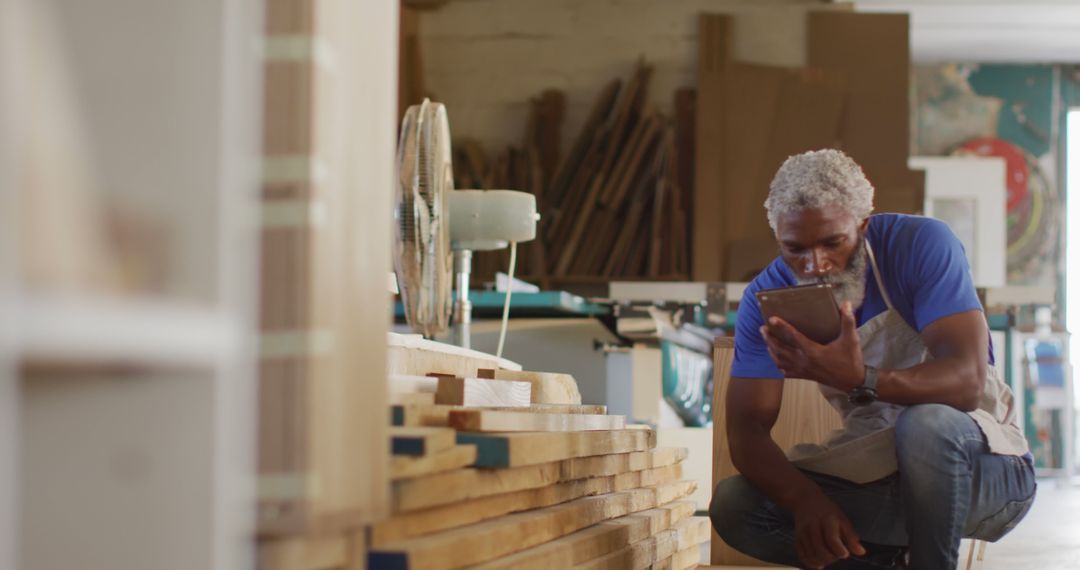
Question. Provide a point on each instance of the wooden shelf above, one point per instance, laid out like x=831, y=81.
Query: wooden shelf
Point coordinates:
x=142, y=332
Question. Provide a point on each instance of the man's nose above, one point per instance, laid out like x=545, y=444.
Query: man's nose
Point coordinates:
x=818, y=264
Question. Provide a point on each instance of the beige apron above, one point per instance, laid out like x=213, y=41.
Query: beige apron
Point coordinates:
x=864, y=449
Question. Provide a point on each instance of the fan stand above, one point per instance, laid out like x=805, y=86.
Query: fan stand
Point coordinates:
x=462, y=305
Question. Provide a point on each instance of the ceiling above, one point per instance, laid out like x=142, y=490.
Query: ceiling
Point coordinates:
x=988, y=30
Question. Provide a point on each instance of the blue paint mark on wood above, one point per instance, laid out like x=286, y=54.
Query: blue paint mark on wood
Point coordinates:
x=491, y=450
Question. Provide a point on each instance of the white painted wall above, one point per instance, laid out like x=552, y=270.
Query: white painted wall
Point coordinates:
x=485, y=58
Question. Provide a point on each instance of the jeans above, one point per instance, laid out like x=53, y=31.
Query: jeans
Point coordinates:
x=948, y=486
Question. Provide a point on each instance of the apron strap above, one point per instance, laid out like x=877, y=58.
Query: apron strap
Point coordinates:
x=877, y=275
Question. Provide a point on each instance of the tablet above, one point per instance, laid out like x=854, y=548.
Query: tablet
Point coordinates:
x=811, y=309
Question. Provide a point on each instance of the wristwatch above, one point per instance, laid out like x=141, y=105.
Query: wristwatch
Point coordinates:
x=867, y=393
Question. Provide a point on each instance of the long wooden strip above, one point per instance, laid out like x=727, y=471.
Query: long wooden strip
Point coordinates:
x=685, y=535
x=615, y=464
x=547, y=387
x=409, y=525
x=480, y=392
x=420, y=440
x=497, y=421
x=595, y=541
x=404, y=467
x=648, y=477
x=439, y=415
x=489, y=540
x=512, y=450
x=464, y=484
x=579, y=477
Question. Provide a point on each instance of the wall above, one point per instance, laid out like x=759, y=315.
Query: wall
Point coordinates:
x=1023, y=106
x=485, y=58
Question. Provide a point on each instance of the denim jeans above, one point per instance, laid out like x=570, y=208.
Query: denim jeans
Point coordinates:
x=948, y=486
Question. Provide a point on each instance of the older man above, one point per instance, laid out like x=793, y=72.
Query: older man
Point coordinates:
x=930, y=451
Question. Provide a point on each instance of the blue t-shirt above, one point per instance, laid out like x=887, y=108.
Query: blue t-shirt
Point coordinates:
x=923, y=267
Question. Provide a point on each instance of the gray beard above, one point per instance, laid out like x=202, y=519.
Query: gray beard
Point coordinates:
x=849, y=284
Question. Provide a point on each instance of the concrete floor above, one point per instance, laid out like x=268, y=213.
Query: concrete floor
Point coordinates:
x=1047, y=539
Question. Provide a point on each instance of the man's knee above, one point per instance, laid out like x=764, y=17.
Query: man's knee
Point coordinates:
x=733, y=500
x=930, y=429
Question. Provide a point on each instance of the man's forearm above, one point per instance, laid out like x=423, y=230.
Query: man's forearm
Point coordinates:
x=760, y=460
x=956, y=382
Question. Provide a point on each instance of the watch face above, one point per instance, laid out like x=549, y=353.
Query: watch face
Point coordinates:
x=862, y=396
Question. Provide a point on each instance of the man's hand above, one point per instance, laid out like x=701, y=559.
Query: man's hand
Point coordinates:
x=823, y=534
x=838, y=364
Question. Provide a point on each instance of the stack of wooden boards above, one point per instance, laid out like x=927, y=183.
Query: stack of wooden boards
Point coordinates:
x=612, y=206
x=512, y=471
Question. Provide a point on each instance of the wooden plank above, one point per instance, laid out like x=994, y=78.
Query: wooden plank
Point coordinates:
x=420, y=440
x=491, y=539
x=648, y=477
x=499, y=421
x=479, y=392
x=872, y=51
x=319, y=552
x=439, y=415
x=411, y=399
x=458, y=456
x=595, y=541
x=464, y=484
x=404, y=526
x=710, y=156
x=685, y=537
x=512, y=450
x=413, y=355
x=615, y=464
x=687, y=559
x=547, y=387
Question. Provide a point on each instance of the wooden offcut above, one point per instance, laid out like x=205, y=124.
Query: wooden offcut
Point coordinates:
x=501, y=421
x=456, y=457
x=547, y=387
x=515, y=449
x=489, y=540
x=456, y=391
x=420, y=440
x=595, y=541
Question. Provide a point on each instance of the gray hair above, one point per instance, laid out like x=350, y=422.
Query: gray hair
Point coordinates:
x=817, y=179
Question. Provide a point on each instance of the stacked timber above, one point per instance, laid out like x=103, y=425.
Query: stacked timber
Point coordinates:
x=612, y=205
x=507, y=469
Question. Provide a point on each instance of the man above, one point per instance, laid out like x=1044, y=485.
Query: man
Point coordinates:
x=930, y=451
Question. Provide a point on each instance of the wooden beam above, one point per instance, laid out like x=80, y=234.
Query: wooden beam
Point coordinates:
x=463, y=484
x=685, y=535
x=479, y=392
x=595, y=541
x=547, y=387
x=499, y=421
x=420, y=440
x=409, y=525
x=489, y=540
x=648, y=477
x=617, y=463
x=512, y=450
x=458, y=456
x=439, y=415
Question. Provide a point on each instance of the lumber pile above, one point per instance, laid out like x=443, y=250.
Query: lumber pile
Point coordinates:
x=612, y=206
x=515, y=483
